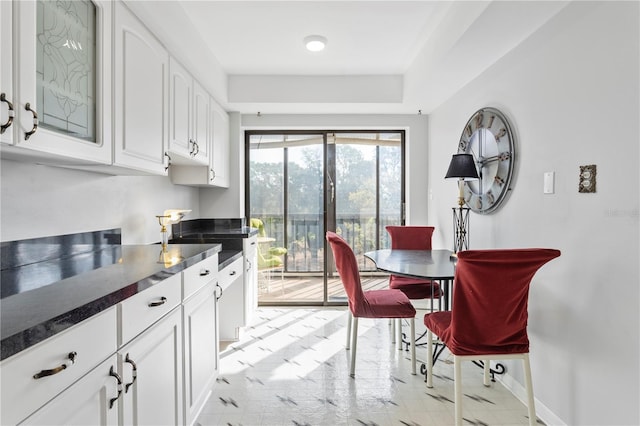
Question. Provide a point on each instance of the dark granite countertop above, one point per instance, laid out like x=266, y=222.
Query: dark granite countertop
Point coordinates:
x=227, y=257
x=44, y=298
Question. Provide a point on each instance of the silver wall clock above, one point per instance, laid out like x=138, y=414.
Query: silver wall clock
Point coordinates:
x=488, y=137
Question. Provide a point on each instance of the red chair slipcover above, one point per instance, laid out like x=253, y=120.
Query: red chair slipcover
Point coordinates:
x=489, y=315
x=413, y=238
x=490, y=298
x=368, y=304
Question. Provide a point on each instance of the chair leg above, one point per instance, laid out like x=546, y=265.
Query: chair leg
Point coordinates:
x=413, y=346
x=392, y=326
x=487, y=367
x=528, y=383
x=457, y=384
x=350, y=316
x=354, y=343
x=399, y=334
x=429, y=359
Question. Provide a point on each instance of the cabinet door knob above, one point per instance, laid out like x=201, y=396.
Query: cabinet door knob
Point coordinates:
x=162, y=301
x=134, y=372
x=51, y=372
x=5, y=126
x=28, y=134
x=119, y=380
x=205, y=273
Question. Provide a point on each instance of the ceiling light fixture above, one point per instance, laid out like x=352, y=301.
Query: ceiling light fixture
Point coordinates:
x=315, y=43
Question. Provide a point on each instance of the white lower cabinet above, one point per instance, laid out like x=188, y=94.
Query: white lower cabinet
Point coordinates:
x=151, y=360
x=250, y=253
x=231, y=300
x=200, y=350
x=93, y=400
x=151, y=371
x=35, y=376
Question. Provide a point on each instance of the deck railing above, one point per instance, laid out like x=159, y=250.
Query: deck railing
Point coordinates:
x=304, y=239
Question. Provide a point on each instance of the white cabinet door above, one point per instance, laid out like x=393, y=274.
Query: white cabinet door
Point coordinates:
x=151, y=369
x=93, y=400
x=140, y=97
x=250, y=252
x=201, y=124
x=220, y=149
x=200, y=350
x=6, y=73
x=231, y=300
x=180, y=113
x=188, y=118
x=63, y=98
x=31, y=378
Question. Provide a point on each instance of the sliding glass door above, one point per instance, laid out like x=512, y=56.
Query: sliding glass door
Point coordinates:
x=301, y=184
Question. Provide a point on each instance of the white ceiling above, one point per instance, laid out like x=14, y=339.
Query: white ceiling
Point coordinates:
x=266, y=37
x=381, y=56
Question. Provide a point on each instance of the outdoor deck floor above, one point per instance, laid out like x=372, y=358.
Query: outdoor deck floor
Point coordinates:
x=301, y=289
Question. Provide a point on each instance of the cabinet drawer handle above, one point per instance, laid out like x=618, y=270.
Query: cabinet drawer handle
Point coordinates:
x=232, y=273
x=28, y=134
x=249, y=265
x=119, y=380
x=134, y=372
x=218, y=287
x=162, y=301
x=205, y=273
x=5, y=126
x=51, y=372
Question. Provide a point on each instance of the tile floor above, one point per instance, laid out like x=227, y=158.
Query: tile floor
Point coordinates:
x=291, y=368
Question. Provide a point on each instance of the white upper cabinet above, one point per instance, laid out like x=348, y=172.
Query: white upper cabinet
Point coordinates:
x=216, y=173
x=141, y=92
x=201, y=123
x=188, y=118
x=180, y=112
x=62, y=78
x=220, y=151
x=6, y=74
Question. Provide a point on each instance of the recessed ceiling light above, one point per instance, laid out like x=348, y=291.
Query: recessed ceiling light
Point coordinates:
x=315, y=43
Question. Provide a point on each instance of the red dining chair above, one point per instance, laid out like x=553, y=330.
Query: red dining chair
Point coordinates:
x=386, y=303
x=412, y=238
x=488, y=319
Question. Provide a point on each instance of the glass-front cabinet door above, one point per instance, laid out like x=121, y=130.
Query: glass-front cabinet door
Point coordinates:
x=62, y=50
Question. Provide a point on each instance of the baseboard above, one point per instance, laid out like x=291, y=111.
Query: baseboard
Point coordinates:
x=544, y=414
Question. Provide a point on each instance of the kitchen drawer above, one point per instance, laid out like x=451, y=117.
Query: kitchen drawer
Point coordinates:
x=92, y=341
x=139, y=312
x=229, y=274
x=196, y=276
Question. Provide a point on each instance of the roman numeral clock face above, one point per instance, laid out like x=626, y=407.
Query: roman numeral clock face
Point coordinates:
x=487, y=136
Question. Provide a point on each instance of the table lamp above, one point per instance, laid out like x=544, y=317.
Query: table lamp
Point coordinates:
x=463, y=167
x=169, y=217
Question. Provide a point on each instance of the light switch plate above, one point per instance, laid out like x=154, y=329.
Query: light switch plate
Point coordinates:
x=549, y=182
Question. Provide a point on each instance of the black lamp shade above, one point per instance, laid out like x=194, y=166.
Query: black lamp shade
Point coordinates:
x=462, y=166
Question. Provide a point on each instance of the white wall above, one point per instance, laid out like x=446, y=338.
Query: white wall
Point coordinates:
x=416, y=154
x=39, y=201
x=572, y=94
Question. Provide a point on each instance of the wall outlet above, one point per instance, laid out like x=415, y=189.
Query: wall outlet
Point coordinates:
x=587, y=179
